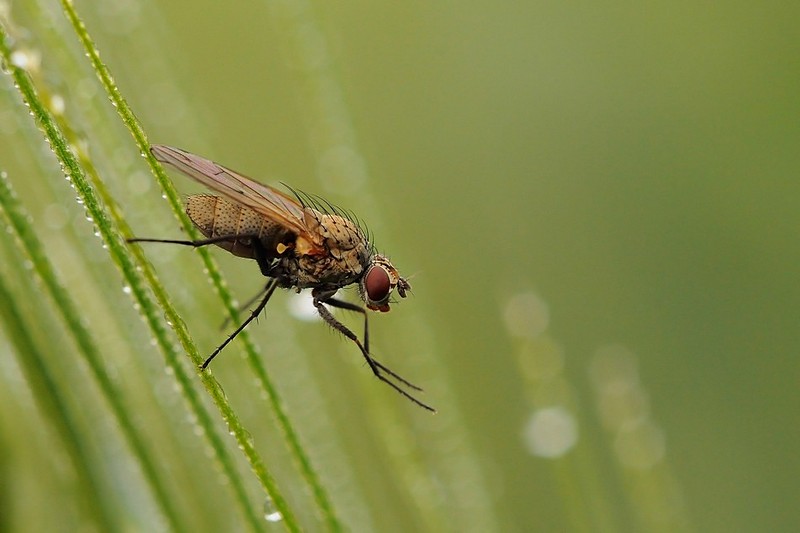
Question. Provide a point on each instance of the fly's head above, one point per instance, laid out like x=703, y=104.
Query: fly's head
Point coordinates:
x=379, y=280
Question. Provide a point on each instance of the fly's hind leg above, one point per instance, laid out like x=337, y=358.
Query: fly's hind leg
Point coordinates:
x=264, y=263
x=198, y=243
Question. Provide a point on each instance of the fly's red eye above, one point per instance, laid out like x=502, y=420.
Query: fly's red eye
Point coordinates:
x=377, y=284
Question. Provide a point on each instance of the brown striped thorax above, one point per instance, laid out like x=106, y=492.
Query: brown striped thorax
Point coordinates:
x=299, y=242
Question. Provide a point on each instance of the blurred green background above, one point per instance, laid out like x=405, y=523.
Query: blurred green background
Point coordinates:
x=598, y=206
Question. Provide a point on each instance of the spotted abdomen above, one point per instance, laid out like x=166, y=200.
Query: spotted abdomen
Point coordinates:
x=217, y=217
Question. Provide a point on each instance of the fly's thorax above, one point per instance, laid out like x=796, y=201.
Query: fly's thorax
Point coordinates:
x=380, y=279
x=340, y=237
x=335, y=232
x=346, y=243
x=332, y=253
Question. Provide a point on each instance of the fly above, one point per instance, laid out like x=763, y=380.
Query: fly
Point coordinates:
x=300, y=242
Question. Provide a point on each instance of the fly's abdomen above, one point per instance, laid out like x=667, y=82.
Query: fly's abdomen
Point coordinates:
x=217, y=217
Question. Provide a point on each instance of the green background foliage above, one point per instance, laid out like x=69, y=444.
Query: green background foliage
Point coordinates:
x=598, y=207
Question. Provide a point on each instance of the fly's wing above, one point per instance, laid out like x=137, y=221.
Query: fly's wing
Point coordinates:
x=261, y=198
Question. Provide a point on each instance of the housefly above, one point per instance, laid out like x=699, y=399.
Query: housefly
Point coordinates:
x=299, y=242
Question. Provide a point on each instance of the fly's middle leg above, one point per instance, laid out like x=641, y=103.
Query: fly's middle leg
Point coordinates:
x=271, y=286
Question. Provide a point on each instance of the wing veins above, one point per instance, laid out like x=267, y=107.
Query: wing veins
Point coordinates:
x=262, y=198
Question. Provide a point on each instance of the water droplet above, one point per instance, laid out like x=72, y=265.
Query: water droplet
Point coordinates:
x=26, y=59
x=270, y=513
x=550, y=432
x=301, y=307
x=126, y=289
x=57, y=104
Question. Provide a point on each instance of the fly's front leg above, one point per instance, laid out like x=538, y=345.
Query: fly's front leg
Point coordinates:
x=327, y=316
x=341, y=304
x=322, y=298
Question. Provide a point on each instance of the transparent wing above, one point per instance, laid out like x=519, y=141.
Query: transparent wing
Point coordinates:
x=261, y=198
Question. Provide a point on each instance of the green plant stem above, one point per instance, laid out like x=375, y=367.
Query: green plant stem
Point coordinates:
x=130, y=264
x=33, y=249
x=54, y=405
x=292, y=438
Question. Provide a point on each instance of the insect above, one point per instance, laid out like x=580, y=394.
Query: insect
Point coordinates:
x=300, y=242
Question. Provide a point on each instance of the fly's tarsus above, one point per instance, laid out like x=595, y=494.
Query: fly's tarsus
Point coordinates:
x=376, y=367
x=396, y=376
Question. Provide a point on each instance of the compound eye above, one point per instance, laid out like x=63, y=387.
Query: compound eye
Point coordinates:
x=377, y=284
